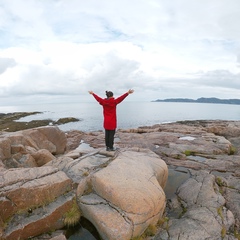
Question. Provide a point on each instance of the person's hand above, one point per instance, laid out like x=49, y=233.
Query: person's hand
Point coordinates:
x=90, y=92
x=130, y=91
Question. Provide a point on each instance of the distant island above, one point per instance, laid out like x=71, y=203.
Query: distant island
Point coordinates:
x=201, y=100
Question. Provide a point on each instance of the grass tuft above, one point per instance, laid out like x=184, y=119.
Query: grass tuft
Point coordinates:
x=223, y=232
x=189, y=153
x=232, y=150
x=149, y=232
x=72, y=217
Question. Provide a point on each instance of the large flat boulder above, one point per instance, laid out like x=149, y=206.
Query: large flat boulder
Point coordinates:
x=127, y=195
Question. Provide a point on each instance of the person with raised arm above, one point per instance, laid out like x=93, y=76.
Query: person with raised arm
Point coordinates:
x=109, y=105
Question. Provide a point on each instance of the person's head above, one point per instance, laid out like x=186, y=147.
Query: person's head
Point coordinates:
x=109, y=94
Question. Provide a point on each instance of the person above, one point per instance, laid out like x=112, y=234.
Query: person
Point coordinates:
x=109, y=105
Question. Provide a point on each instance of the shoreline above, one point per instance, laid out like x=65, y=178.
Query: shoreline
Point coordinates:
x=8, y=121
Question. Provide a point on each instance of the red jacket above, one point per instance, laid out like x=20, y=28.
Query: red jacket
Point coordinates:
x=109, y=110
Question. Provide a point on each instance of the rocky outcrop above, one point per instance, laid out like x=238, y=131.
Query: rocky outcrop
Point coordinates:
x=209, y=152
x=8, y=121
x=41, y=184
x=33, y=197
x=121, y=192
x=201, y=211
x=128, y=195
x=32, y=147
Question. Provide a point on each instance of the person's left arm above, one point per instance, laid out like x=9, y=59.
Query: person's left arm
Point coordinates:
x=121, y=98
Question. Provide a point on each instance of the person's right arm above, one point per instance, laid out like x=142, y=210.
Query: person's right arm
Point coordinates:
x=100, y=100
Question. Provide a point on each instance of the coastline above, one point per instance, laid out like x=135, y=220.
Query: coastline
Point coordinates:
x=201, y=100
x=9, y=123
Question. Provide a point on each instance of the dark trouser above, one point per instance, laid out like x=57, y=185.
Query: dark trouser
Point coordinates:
x=109, y=138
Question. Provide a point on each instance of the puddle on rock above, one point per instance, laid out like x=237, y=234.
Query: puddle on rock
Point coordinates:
x=176, y=176
x=189, y=138
x=221, y=174
x=84, y=147
x=197, y=158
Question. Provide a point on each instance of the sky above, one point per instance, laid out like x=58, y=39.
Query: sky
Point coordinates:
x=58, y=50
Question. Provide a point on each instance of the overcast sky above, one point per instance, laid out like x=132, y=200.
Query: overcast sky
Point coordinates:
x=57, y=50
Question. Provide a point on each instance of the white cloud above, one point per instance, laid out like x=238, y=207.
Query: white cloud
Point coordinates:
x=6, y=63
x=161, y=48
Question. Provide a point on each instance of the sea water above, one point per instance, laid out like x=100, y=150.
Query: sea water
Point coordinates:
x=129, y=114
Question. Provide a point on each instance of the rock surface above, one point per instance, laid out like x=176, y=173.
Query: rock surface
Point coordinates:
x=126, y=186
x=209, y=151
x=128, y=195
x=39, y=182
x=204, y=204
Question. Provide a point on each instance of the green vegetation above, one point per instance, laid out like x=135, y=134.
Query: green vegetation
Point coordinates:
x=85, y=173
x=137, y=238
x=149, y=232
x=219, y=211
x=163, y=223
x=220, y=182
x=236, y=234
x=184, y=209
x=152, y=229
x=189, y=153
x=223, y=232
x=232, y=150
x=72, y=217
